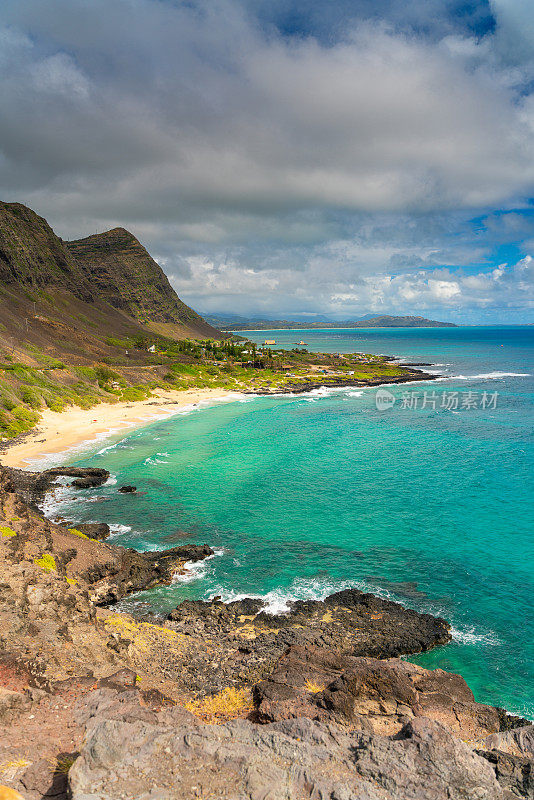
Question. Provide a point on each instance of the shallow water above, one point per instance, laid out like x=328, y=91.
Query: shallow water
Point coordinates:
x=305, y=495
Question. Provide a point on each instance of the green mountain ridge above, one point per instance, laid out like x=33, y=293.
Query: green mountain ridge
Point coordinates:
x=32, y=256
x=111, y=272
x=87, y=321
x=124, y=274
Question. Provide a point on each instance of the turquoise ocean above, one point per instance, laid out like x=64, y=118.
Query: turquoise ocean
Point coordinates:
x=304, y=495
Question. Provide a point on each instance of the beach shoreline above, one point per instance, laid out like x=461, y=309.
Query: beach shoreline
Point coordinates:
x=59, y=433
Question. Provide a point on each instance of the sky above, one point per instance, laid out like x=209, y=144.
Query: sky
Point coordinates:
x=286, y=157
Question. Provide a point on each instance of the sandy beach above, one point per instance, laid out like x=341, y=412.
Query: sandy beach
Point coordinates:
x=61, y=432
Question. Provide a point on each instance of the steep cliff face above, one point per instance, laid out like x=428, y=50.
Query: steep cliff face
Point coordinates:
x=124, y=274
x=112, y=272
x=31, y=255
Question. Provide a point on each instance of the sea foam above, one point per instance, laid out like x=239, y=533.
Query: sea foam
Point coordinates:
x=490, y=376
x=195, y=570
x=277, y=600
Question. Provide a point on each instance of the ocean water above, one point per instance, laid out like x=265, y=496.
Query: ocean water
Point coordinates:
x=304, y=495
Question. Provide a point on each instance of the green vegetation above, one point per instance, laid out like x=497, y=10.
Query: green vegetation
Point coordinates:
x=16, y=421
x=43, y=358
x=171, y=364
x=105, y=375
x=111, y=341
x=6, y=532
x=25, y=391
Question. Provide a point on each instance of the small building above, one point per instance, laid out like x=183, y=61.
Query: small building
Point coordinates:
x=151, y=349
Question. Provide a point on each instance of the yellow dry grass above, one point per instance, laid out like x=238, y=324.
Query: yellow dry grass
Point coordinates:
x=145, y=635
x=14, y=766
x=46, y=562
x=228, y=704
x=63, y=763
x=313, y=687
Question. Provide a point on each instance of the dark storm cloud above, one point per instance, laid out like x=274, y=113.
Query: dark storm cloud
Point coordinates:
x=253, y=146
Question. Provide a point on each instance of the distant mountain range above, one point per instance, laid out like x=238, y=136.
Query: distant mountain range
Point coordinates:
x=232, y=322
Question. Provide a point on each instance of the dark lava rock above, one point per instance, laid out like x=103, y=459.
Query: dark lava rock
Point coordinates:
x=385, y=629
x=215, y=614
x=515, y=774
x=121, y=680
x=132, y=571
x=171, y=755
x=245, y=641
x=89, y=482
x=94, y=530
x=128, y=489
x=410, y=375
x=32, y=486
x=509, y=722
x=372, y=695
x=43, y=780
x=95, y=475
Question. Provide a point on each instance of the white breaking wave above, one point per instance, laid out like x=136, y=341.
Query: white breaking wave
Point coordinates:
x=195, y=570
x=53, y=501
x=490, y=376
x=277, y=600
x=321, y=392
x=470, y=635
x=157, y=458
x=106, y=449
x=116, y=528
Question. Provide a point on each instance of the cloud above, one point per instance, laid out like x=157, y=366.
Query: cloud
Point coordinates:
x=253, y=133
x=345, y=293
x=378, y=121
x=515, y=29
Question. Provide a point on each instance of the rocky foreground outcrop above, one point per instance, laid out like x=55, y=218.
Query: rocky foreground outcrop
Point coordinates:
x=245, y=641
x=173, y=756
x=54, y=579
x=33, y=486
x=368, y=694
x=224, y=700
